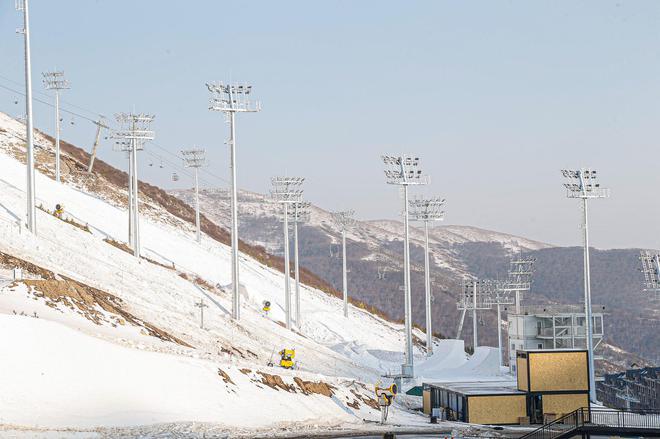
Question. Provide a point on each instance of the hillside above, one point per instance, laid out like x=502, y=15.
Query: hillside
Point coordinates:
x=457, y=251
x=95, y=338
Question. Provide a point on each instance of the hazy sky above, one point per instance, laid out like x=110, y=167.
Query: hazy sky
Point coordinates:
x=494, y=96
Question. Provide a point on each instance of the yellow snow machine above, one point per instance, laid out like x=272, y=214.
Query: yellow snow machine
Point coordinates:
x=286, y=358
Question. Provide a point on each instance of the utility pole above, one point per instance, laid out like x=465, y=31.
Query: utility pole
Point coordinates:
x=231, y=99
x=582, y=184
x=299, y=213
x=100, y=124
x=134, y=132
x=425, y=210
x=404, y=171
x=31, y=211
x=344, y=220
x=55, y=80
x=286, y=190
x=195, y=158
x=201, y=305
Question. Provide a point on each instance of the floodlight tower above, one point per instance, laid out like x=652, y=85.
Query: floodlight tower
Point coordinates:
x=133, y=133
x=54, y=80
x=474, y=297
x=344, y=220
x=299, y=213
x=31, y=211
x=195, y=158
x=521, y=269
x=425, y=210
x=286, y=190
x=499, y=296
x=582, y=184
x=651, y=271
x=404, y=171
x=231, y=99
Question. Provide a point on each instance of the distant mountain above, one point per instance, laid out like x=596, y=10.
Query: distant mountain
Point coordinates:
x=376, y=247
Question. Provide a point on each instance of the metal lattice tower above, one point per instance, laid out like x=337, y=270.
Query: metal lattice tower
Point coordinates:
x=425, y=210
x=404, y=171
x=521, y=269
x=100, y=125
x=475, y=296
x=54, y=80
x=344, y=220
x=582, y=184
x=31, y=210
x=299, y=213
x=287, y=191
x=231, y=99
x=133, y=133
x=651, y=271
x=195, y=158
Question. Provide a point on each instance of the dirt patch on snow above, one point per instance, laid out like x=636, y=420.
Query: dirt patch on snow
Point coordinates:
x=310, y=387
x=225, y=377
x=88, y=301
x=371, y=402
x=10, y=261
x=91, y=303
x=276, y=382
x=119, y=245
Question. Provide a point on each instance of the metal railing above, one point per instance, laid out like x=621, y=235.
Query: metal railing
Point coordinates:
x=597, y=418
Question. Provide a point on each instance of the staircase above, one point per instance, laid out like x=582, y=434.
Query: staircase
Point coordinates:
x=590, y=421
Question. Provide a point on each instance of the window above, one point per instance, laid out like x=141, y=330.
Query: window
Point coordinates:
x=539, y=346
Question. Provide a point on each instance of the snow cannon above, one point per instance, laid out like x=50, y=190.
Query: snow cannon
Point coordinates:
x=266, y=306
x=385, y=396
x=386, y=392
x=286, y=358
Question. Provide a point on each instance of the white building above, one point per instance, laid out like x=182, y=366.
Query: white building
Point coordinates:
x=551, y=327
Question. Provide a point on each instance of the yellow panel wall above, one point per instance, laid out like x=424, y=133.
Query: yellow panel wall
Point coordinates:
x=563, y=404
x=426, y=399
x=500, y=409
x=550, y=371
x=521, y=373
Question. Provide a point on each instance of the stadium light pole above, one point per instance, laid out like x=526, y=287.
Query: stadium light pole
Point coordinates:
x=651, y=271
x=425, y=210
x=54, y=80
x=286, y=190
x=195, y=158
x=299, y=214
x=31, y=211
x=519, y=279
x=344, y=220
x=231, y=99
x=582, y=184
x=499, y=295
x=133, y=133
x=404, y=171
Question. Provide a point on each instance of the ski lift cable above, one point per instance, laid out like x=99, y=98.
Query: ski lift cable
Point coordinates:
x=62, y=101
x=63, y=110
x=73, y=113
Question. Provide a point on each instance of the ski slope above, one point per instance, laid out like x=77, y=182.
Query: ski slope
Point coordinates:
x=114, y=372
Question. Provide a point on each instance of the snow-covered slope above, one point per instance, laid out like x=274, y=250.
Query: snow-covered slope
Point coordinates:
x=128, y=330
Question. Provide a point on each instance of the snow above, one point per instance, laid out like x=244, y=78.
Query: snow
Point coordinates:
x=60, y=370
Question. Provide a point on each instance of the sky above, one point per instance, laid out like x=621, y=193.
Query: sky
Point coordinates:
x=495, y=97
